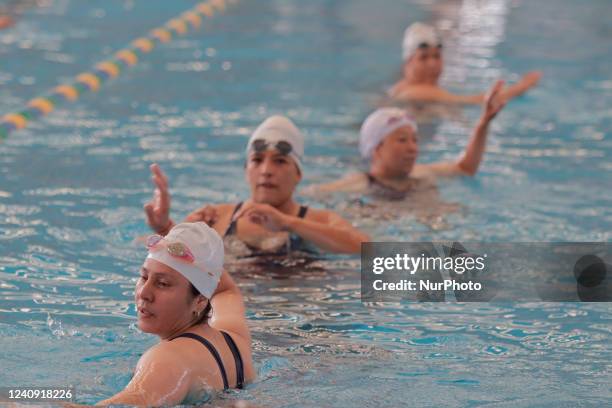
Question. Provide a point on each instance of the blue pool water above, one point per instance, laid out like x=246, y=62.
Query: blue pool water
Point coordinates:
x=72, y=188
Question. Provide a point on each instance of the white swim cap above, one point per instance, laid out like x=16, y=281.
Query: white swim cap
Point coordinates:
x=203, y=264
x=275, y=130
x=416, y=35
x=379, y=124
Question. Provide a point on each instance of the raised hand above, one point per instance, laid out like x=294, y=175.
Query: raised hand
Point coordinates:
x=158, y=209
x=494, y=101
x=531, y=79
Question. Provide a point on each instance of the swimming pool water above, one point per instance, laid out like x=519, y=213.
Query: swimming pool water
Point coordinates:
x=72, y=188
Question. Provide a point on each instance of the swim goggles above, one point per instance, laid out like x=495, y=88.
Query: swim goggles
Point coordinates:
x=426, y=45
x=398, y=118
x=260, y=145
x=175, y=249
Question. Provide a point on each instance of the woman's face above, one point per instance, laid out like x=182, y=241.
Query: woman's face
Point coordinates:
x=398, y=151
x=272, y=177
x=424, y=66
x=164, y=301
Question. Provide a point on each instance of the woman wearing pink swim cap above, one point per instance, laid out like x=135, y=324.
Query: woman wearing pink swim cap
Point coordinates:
x=389, y=140
x=184, y=296
x=422, y=68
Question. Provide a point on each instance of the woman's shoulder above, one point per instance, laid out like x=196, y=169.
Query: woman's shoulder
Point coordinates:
x=167, y=354
x=224, y=207
x=194, y=356
x=351, y=183
x=356, y=177
x=181, y=353
x=164, y=350
x=174, y=362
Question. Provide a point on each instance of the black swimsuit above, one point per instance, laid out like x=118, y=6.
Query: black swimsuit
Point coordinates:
x=235, y=352
x=381, y=190
x=295, y=242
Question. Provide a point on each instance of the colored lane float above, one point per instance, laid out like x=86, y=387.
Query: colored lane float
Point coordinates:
x=91, y=81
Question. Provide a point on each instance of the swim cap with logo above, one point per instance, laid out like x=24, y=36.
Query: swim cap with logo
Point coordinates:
x=203, y=265
x=379, y=125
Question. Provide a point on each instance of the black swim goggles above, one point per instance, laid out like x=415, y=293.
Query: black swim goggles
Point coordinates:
x=424, y=45
x=260, y=145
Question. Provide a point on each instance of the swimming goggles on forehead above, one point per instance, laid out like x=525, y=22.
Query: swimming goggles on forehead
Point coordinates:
x=260, y=145
x=399, y=118
x=424, y=45
x=175, y=249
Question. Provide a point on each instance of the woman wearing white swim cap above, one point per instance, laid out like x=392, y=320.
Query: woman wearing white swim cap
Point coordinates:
x=270, y=222
x=184, y=297
x=389, y=142
x=422, y=67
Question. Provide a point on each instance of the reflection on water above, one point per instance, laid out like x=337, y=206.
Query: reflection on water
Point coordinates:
x=312, y=333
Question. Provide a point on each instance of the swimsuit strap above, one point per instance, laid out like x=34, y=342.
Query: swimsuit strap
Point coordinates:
x=212, y=350
x=371, y=178
x=237, y=358
x=297, y=243
x=231, y=229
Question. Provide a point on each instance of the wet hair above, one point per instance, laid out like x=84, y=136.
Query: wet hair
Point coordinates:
x=205, y=315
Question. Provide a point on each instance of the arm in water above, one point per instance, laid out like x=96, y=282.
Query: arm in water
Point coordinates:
x=430, y=93
x=351, y=183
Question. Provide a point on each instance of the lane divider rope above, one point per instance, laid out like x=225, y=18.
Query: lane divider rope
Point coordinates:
x=92, y=80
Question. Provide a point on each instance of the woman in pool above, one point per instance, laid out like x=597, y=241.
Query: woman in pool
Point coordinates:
x=389, y=141
x=270, y=221
x=423, y=62
x=181, y=283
